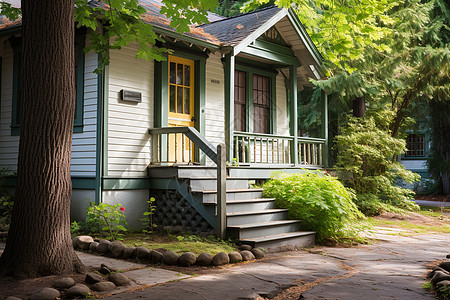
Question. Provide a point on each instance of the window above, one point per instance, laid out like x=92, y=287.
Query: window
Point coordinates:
x=415, y=143
x=240, y=111
x=17, y=85
x=261, y=104
x=253, y=99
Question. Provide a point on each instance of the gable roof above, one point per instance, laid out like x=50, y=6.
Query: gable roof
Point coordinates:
x=232, y=31
x=232, y=34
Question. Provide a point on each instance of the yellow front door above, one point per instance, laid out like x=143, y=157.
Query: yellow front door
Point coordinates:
x=181, y=106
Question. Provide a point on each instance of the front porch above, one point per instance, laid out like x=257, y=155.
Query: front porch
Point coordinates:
x=199, y=191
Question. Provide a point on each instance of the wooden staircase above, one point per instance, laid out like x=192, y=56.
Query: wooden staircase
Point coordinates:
x=251, y=219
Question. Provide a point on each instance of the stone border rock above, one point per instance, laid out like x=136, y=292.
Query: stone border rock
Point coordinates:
x=117, y=249
x=439, y=278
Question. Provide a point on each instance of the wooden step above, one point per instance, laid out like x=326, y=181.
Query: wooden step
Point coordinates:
x=283, y=242
x=247, y=217
x=248, y=231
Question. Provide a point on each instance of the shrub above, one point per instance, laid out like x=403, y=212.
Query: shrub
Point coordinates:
x=366, y=153
x=321, y=202
x=108, y=218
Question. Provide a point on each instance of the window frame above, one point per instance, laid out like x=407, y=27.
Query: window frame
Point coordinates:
x=16, y=45
x=249, y=111
x=425, y=148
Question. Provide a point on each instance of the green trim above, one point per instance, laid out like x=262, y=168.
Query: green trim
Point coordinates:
x=126, y=183
x=229, y=66
x=86, y=183
x=105, y=130
x=99, y=134
x=200, y=99
x=185, y=38
x=325, y=129
x=275, y=48
x=306, y=39
x=280, y=58
x=192, y=55
x=83, y=183
x=293, y=113
x=17, y=85
x=78, y=121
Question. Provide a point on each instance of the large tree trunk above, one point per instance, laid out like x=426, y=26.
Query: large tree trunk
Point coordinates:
x=439, y=159
x=39, y=241
x=359, y=106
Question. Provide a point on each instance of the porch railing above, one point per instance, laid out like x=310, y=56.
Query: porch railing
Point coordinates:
x=167, y=141
x=178, y=145
x=257, y=148
x=310, y=151
x=262, y=148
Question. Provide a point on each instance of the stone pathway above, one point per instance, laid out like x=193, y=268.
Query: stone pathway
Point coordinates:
x=393, y=268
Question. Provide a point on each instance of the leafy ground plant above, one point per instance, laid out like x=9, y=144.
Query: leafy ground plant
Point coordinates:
x=107, y=218
x=320, y=201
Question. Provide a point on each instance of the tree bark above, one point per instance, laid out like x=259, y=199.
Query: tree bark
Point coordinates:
x=359, y=106
x=39, y=241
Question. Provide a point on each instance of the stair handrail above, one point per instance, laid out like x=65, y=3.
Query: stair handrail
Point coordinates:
x=217, y=155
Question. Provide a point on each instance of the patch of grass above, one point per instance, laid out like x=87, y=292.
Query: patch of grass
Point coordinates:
x=427, y=286
x=435, y=212
x=179, y=244
x=417, y=228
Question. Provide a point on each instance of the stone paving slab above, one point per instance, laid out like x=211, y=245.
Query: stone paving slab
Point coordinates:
x=393, y=268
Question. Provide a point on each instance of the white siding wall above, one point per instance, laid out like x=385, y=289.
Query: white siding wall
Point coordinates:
x=9, y=145
x=414, y=164
x=215, y=101
x=83, y=145
x=128, y=122
x=281, y=107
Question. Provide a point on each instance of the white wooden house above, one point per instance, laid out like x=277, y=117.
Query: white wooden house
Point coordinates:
x=148, y=128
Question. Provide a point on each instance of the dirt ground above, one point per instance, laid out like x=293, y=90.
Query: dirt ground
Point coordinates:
x=23, y=288
x=439, y=198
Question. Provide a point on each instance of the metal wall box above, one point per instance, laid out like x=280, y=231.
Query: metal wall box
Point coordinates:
x=131, y=96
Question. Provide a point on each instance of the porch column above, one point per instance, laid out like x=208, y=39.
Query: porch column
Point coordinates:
x=229, y=104
x=325, y=128
x=294, y=112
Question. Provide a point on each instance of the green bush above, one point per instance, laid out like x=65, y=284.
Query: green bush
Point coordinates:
x=106, y=218
x=322, y=203
x=366, y=153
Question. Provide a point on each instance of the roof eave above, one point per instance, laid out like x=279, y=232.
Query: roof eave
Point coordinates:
x=306, y=39
x=263, y=28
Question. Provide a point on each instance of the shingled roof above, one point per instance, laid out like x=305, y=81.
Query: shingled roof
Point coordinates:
x=232, y=31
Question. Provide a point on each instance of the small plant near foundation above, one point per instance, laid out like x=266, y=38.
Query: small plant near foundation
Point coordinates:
x=106, y=218
x=148, y=220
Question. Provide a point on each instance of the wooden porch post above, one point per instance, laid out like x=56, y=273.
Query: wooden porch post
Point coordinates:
x=221, y=191
x=325, y=129
x=294, y=112
x=229, y=105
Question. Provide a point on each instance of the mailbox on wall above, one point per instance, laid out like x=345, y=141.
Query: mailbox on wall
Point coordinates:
x=131, y=96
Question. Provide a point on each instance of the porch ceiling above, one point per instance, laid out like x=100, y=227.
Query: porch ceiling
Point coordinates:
x=294, y=40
